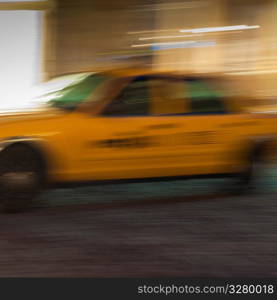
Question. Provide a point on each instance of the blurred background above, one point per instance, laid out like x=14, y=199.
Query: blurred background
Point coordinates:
x=42, y=39
x=153, y=229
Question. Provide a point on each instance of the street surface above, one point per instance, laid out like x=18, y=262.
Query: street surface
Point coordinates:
x=181, y=228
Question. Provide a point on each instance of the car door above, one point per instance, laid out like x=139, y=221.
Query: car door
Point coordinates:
x=208, y=110
x=196, y=145
x=124, y=139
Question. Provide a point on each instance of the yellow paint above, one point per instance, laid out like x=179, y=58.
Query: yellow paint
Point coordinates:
x=82, y=145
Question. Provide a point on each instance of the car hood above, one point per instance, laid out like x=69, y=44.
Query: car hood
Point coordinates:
x=17, y=116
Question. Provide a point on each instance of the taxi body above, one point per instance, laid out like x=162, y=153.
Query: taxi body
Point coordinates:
x=128, y=125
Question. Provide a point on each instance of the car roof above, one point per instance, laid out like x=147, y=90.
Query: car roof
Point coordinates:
x=135, y=72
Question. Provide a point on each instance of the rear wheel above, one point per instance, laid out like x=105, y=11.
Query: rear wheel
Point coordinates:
x=21, y=177
x=251, y=178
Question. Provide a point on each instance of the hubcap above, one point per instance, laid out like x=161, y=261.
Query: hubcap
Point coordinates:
x=18, y=179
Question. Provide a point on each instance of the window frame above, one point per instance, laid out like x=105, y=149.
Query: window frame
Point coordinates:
x=125, y=83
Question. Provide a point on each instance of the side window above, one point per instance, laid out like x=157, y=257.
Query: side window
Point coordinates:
x=169, y=96
x=133, y=100
x=203, y=98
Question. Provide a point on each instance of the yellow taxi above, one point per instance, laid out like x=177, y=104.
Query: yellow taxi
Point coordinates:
x=129, y=125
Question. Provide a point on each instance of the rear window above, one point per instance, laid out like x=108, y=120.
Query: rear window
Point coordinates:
x=204, y=98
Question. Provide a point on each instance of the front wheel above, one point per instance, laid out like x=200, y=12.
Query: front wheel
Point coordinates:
x=20, y=177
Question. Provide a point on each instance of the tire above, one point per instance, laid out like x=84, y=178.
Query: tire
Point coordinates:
x=21, y=177
x=250, y=180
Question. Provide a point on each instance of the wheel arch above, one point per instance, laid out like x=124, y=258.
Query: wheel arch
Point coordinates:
x=261, y=146
x=34, y=145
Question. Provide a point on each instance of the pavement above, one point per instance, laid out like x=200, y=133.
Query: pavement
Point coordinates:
x=182, y=228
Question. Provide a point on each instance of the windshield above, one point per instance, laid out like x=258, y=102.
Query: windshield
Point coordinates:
x=67, y=92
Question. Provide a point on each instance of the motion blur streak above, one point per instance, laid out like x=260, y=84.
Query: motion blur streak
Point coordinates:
x=135, y=93
x=216, y=29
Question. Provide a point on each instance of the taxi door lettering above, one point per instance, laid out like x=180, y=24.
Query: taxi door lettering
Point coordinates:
x=129, y=142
